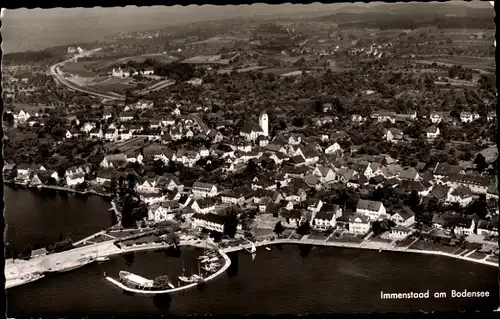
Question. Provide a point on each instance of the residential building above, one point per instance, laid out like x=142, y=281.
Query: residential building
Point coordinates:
x=372, y=209
x=204, y=190
x=359, y=224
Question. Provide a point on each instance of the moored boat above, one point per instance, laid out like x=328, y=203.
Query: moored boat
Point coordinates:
x=102, y=259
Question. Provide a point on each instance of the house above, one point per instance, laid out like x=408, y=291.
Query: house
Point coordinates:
x=323, y=220
x=315, y=206
x=432, y=132
x=356, y=118
x=385, y=116
x=488, y=227
x=204, y=152
x=359, y=224
x=158, y=213
x=491, y=116
x=74, y=180
x=292, y=217
x=461, y=195
x=294, y=140
x=326, y=175
x=409, y=174
x=106, y=116
x=334, y=149
x=372, y=209
x=309, y=154
x=476, y=183
x=111, y=134
x=134, y=157
x=68, y=134
x=393, y=135
x=206, y=205
x=399, y=233
x=148, y=186
x=262, y=141
x=466, y=117
x=23, y=170
x=440, y=193
x=444, y=169
x=96, y=133
x=404, y=217
x=464, y=226
x=127, y=116
x=105, y=176
x=152, y=198
x=435, y=118
x=114, y=161
x=234, y=197
x=204, y=190
x=210, y=221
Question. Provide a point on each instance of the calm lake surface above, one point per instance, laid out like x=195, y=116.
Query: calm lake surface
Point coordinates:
x=33, y=216
x=294, y=279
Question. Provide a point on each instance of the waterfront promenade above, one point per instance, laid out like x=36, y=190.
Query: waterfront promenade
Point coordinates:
x=364, y=245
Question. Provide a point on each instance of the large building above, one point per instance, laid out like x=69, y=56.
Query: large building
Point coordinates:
x=252, y=131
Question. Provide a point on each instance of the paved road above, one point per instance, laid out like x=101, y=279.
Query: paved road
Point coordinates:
x=56, y=72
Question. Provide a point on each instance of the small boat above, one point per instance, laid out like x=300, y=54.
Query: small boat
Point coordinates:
x=202, y=257
x=102, y=259
x=190, y=280
x=380, y=250
x=267, y=248
x=171, y=285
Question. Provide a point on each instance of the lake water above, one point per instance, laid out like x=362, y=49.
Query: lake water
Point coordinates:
x=33, y=216
x=295, y=279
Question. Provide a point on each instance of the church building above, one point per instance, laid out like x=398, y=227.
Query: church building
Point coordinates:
x=252, y=131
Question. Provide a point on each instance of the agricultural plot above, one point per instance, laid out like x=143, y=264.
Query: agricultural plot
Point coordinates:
x=79, y=69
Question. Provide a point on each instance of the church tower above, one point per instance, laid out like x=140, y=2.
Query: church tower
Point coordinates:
x=264, y=123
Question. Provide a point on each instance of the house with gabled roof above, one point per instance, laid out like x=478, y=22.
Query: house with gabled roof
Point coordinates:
x=325, y=174
x=409, y=174
x=204, y=190
x=403, y=217
x=373, y=209
x=292, y=217
x=393, y=135
x=488, y=227
x=359, y=224
x=461, y=195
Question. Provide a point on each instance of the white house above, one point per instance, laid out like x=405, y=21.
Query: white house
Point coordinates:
x=315, y=206
x=74, y=180
x=432, y=132
x=461, y=195
x=464, y=226
x=111, y=134
x=372, y=209
x=326, y=175
x=96, y=133
x=359, y=224
x=399, y=233
x=323, y=220
x=333, y=149
x=466, y=117
x=204, y=190
x=404, y=217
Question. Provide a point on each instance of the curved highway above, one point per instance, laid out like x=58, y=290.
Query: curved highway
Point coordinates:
x=56, y=72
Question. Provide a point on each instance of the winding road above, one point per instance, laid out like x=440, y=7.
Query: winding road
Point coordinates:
x=56, y=72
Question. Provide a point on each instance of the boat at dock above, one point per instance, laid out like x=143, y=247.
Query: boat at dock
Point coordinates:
x=209, y=260
x=212, y=267
x=189, y=280
x=102, y=259
x=134, y=280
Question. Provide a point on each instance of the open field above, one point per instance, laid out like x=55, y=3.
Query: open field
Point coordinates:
x=79, y=69
x=487, y=65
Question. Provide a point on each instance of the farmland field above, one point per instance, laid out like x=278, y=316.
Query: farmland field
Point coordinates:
x=487, y=65
x=78, y=69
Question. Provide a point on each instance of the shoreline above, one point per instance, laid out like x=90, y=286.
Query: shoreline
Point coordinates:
x=13, y=184
x=373, y=246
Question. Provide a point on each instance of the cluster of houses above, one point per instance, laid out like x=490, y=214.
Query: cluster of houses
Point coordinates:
x=299, y=164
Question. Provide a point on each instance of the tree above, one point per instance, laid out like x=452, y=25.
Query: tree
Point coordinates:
x=174, y=240
x=298, y=122
x=318, y=107
x=480, y=162
x=230, y=223
x=278, y=228
x=161, y=283
x=303, y=228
